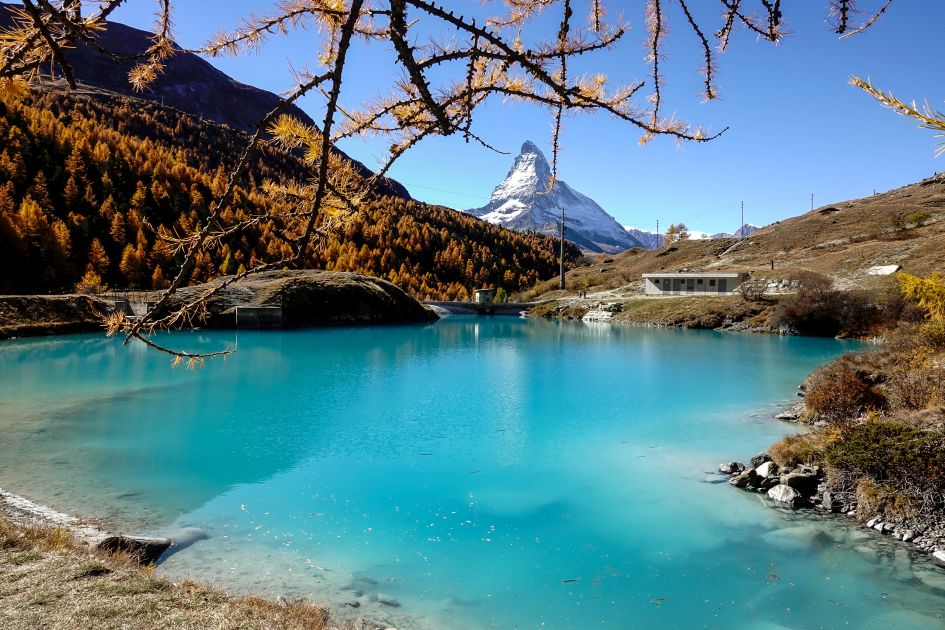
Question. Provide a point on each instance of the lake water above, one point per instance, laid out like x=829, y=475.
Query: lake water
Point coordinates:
x=480, y=473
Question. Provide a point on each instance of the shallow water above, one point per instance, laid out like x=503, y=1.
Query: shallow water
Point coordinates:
x=481, y=473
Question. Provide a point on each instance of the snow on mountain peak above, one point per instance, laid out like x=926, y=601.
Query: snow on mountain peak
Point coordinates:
x=523, y=202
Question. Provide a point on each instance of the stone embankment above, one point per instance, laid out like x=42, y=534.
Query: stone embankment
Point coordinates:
x=306, y=297
x=806, y=487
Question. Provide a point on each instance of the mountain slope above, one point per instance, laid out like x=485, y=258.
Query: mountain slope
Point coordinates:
x=85, y=183
x=521, y=203
x=844, y=240
x=188, y=83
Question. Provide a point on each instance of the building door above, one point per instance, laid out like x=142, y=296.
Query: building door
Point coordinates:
x=675, y=285
x=723, y=285
x=690, y=285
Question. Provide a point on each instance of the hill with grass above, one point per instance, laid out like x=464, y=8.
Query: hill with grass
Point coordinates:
x=843, y=240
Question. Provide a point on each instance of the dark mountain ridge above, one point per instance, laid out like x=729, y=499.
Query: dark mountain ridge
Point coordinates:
x=188, y=83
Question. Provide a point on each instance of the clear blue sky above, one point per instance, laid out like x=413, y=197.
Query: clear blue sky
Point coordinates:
x=797, y=127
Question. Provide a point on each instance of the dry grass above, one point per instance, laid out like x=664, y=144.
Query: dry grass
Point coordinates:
x=841, y=241
x=695, y=312
x=50, y=581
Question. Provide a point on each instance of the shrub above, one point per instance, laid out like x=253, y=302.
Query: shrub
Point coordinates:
x=916, y=384
x=753, y=290
x=893, y=452
x=838, y=393
x=883, y=499
x=828, y=313
x=793, y=450
x=918, y=218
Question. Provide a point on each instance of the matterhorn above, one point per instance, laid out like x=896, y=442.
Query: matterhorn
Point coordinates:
x=523, y=202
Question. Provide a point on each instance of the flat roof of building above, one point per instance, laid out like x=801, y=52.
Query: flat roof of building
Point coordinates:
x=715, y=274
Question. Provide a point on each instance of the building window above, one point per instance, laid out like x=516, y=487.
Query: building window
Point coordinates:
x=711, y=283
x=699, y=281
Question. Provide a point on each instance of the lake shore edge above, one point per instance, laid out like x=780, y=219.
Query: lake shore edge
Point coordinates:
x=34, y=536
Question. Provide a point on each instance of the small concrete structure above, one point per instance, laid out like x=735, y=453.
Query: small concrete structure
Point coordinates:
x=690, y=283
x=258, y=316
x=484, y=296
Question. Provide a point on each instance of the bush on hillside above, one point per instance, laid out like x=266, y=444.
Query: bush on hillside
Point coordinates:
x=829, y=313
x=882, y=499
x=907, y=458
x=838, y=393
x=794, y=450
x=916, y=384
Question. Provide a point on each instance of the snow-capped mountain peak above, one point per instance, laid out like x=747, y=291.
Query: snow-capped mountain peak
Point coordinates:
x=654, y=240
x=523, y=202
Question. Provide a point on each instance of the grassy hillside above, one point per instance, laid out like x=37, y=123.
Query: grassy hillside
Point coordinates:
x=904, y=226
x=88, y=180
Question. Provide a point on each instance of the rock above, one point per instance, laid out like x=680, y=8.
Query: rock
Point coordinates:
x=939, y=554
x=353, y=604
x=872, y=521
x=767, y=469
x=313, y=298
x=745, y=479
x=145, y=549
x=731, y=468
x=908, y=536
x=883, y=270
x=879, y=527
x=830, y=502
x=769, y=482
x=789, y=414
x=803, y=482
x=759, y=459
x=888, y=528
x=387, y=600
x=785, y=496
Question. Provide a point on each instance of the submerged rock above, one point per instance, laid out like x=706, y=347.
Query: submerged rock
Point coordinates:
x=786, y=496
x=145, y=549
x=749, y=478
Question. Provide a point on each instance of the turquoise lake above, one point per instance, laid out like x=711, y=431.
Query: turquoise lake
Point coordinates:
x=472, y=473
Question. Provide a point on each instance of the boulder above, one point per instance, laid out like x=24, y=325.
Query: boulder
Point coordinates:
x=803, y=482
x=145, y=549
x=749, y=478
x=831, y=502
x=759, y=459
x=939, y=554
x=769, y=482
x=785, y=496
x=767, y=469
x=312, y=298
x=731, y=468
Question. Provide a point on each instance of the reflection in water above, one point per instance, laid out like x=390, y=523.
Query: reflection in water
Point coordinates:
x=482, y=472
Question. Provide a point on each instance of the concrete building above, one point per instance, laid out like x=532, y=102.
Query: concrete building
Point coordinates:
x=685, y=283
x=484, y=296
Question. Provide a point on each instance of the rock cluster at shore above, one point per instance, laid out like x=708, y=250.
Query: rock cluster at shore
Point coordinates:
x=806, y=487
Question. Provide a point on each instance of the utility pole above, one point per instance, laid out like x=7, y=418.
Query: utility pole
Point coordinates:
x=812, y=201
x=561, y=281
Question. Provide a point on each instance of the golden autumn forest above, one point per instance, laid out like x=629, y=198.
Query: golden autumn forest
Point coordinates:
x=89, y=184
